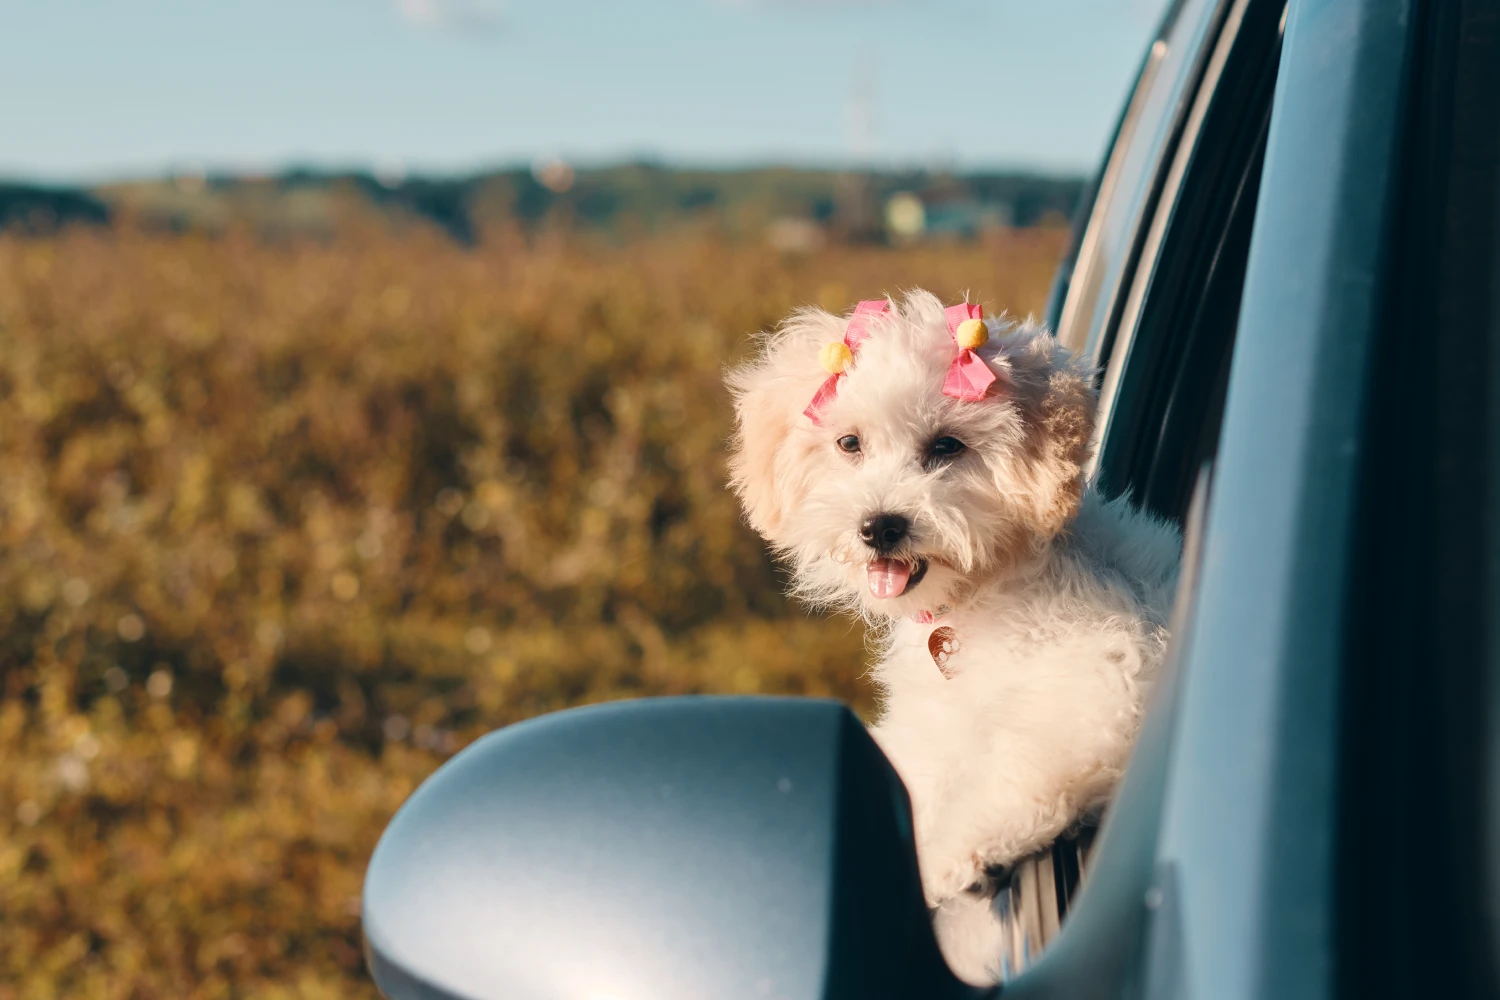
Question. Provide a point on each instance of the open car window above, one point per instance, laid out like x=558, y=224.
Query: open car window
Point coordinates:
x=1163, y=390
x=1096, y=273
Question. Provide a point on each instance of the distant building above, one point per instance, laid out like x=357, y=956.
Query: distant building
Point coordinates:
x=905, y=217
x=909, y=217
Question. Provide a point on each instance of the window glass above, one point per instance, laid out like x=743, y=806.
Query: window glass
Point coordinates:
x=1163, y=393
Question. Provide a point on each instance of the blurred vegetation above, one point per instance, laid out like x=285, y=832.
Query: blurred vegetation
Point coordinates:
x=620, y=201
x=282, y=525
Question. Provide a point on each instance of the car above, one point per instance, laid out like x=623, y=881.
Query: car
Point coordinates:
x=1287, y=275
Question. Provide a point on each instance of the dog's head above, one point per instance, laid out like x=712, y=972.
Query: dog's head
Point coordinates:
x=897, y=498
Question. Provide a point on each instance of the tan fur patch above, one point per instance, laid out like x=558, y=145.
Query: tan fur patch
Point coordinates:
x=770, y=392
x=1058, y=411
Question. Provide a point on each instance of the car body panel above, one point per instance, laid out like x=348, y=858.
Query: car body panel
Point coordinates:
x=1247, y=853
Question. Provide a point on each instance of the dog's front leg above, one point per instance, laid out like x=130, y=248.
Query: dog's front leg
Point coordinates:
x=945, y=855
x=986, y=823
x=951, y=836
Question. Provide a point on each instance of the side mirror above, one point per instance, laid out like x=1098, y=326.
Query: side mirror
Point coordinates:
x=664, y=849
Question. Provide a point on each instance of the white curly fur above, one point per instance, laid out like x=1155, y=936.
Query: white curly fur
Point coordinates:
x=1058, y=598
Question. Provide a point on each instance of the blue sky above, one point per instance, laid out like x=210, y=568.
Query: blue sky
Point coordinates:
x=94, y=89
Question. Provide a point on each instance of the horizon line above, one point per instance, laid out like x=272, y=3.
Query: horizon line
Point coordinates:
x=406, y=173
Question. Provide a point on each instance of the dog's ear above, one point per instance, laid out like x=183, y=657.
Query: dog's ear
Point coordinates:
x=768, y=461
x=1055, y=390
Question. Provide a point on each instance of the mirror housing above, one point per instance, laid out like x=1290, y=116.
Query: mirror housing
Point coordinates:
x=662, y=849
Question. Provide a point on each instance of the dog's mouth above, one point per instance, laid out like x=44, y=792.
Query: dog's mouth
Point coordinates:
x=889, y=578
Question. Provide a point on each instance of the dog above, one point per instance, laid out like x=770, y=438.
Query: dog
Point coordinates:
x=923, y=467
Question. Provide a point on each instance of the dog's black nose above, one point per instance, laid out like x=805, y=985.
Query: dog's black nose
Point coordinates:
x=884, y=532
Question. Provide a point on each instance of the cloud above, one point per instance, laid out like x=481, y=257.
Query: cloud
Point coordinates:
x=460, y=16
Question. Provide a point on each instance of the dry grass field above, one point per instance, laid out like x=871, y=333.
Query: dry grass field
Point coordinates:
x=284, y=524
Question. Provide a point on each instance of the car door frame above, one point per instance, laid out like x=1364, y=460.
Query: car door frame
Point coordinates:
x=1232, y=894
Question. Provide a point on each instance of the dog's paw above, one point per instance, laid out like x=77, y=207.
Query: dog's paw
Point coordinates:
x=946, y=877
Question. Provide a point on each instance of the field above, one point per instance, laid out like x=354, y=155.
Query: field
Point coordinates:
x=283, y=524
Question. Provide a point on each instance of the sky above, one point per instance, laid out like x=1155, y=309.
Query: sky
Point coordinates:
x=93, y=90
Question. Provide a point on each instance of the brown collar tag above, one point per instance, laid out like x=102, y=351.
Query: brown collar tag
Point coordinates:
x=943, y=644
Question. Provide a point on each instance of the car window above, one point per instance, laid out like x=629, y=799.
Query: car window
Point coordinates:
x=1163, y=390
x=1130, y=182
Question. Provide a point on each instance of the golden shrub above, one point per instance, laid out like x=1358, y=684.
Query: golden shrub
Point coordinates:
x=282, y=525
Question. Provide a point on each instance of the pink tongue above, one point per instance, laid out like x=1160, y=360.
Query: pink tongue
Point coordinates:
x=888, y=577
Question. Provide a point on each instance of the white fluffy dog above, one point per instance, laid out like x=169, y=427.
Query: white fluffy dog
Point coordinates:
x=924, y=467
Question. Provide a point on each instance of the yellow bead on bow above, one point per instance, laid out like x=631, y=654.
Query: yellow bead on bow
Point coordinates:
x=835, y=357
x=972, y=334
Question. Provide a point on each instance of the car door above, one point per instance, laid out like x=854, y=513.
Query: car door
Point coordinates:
x=1311, y=810
x=1150, y=292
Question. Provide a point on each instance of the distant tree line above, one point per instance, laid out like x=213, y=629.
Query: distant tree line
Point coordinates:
x=625, y=199
x=42, y=209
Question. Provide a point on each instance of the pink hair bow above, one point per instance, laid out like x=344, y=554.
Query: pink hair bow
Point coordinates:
x=969, y=378
x=837, y=356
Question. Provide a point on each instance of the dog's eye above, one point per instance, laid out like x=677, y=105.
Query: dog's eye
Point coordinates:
x=945, y=447
x=848, y=443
